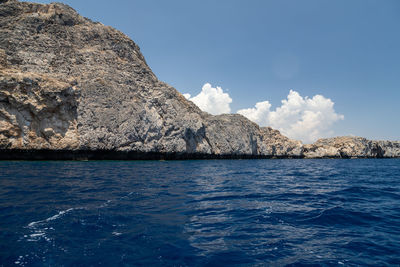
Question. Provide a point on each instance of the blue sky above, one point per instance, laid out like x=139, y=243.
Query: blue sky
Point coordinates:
x=347, y=51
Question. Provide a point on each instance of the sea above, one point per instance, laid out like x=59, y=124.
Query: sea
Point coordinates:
x=267, y=212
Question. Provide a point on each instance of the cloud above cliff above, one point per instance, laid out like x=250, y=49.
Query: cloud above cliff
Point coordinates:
x=212, y=100
x=301, y=118
x=298, y=117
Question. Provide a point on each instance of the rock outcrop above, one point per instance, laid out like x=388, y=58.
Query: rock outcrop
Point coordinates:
x=37, y=112
x=351, y=147
x=68, y=83
x=70, y=86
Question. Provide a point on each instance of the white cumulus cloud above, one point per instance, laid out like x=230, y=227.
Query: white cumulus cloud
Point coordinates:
x=212, y=100
x=301, y=118
x=257, y=114
x=298, y=117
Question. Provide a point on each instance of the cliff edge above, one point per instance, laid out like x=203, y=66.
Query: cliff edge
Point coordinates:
x=70, y=86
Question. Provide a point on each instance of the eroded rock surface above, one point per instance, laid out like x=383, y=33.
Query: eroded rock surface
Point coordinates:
x=352, y=147
x=70, y=84
x=37, y=112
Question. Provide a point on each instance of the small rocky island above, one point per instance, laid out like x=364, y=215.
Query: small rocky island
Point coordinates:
x=71, y=88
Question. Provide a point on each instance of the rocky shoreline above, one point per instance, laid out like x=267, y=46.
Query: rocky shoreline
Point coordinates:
x=86, y=155
x=75, y=89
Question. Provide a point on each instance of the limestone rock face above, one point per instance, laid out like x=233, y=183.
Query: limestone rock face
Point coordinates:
x=352, y=147
x=70, y=84
x=279, y=145
x=390, y=149
x=37, y=112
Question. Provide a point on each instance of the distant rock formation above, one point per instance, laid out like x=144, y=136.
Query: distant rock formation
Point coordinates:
x=72, y=87
x=351, y=147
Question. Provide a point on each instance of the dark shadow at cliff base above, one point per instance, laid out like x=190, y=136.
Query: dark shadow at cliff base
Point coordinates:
x=16, y=154
x=113, y=155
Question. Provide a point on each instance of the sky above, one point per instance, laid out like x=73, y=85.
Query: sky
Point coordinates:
x=310, y=68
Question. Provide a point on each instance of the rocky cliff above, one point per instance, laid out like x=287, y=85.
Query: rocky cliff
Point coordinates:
x=71, y=87
x=351, y=147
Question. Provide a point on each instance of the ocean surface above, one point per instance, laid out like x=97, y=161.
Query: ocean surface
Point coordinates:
x=200, y=213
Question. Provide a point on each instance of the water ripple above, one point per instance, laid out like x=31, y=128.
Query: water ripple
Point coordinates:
x=195, y=213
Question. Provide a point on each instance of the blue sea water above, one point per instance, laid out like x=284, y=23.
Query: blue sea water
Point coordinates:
x=200, y=213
